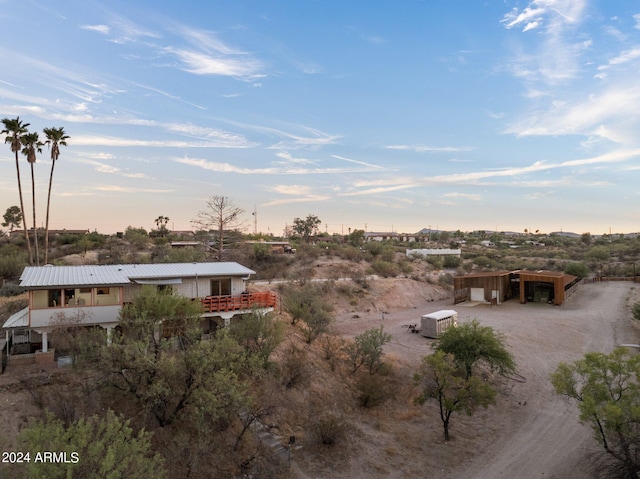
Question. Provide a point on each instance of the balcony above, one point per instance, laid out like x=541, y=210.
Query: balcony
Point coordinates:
x=218, y=304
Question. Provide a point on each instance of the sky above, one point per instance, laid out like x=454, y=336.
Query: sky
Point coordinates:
x=384, y=116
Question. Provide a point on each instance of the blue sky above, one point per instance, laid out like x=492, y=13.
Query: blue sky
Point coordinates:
x=369, y=114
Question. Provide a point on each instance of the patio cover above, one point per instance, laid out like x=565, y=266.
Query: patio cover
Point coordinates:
x=18, y=320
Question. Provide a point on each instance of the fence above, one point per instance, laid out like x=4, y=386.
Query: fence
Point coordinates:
x=215, y=304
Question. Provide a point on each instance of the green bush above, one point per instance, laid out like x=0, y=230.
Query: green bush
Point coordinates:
x=12, y=262
x=636, y=311
x=451, y=261
x=384, y=268
x=10, y=289
x=577, y=269
x=373, y=390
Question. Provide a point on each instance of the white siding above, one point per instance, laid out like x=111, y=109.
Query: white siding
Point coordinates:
x=89, y=315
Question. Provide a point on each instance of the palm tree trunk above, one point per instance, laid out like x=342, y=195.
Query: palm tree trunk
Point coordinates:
x=35, y=226
x=24, y=217
x=46, y=227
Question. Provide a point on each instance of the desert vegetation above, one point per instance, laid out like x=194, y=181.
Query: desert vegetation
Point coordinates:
x=188, y=407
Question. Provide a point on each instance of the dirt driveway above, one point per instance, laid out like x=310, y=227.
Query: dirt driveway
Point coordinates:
x=536, y=433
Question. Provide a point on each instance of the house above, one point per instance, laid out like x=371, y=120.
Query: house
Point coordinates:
x=434, y=252
x=93, y=295
x=380, y=236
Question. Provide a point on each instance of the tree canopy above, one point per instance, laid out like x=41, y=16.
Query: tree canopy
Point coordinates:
x=471, y=343
x=306, y=228
x=93, y=448
x=606, y=388
x=443, y=380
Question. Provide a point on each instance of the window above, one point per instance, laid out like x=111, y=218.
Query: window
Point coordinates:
x=221, y=287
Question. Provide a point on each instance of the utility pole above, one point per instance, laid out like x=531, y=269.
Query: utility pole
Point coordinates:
x=255, y=220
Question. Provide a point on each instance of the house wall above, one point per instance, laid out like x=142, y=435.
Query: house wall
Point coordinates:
x=88, y=315
x=189, y=288
x=489, y=284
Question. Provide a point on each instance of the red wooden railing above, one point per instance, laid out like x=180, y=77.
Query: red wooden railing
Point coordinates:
x=214, y=304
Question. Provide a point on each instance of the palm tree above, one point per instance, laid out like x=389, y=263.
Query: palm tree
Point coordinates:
x=15, y=129
x=55, y=138
x=32, y=145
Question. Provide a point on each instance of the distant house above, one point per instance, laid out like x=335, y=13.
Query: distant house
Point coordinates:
x=275, y=247
x=434, y=252
x=379, y=236
x=94, y=295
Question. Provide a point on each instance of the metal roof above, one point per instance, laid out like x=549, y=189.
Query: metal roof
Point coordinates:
x=18, y=320
x=85, y=275
x=122, y=274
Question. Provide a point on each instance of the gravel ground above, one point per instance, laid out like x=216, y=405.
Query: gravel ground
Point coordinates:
x=531, y=432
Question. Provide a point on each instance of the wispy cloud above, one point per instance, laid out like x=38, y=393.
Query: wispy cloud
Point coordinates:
x=278, y=169
x=98, y=140
x=557, y=58
x=294, y=194
x=514, y=175
x=125, y=189
x=468, y=196
x=426, y=149
x=122, y=30
x=209, y=55
x=201, y=63
x=607, y=115
x=540, y=12
x=624, y=57
x=103, y=29
x=359, y=162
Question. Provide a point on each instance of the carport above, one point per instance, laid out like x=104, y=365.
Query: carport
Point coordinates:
x=543, y=286
x=498, y=286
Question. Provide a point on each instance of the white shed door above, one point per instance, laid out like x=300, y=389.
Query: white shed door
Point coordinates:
x=477, y=294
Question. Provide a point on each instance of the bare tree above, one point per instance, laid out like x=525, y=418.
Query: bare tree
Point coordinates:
x=221, y=216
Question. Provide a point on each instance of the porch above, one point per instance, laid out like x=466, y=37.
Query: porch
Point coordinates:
x=245, y=301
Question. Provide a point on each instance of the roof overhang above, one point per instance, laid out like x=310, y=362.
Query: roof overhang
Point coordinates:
x=17, y=320
x=164, y=281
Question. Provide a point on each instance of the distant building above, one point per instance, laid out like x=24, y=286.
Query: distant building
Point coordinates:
x=434, y=252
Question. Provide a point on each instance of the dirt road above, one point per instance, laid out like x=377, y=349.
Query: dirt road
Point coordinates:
x=546, y=439
x=536, y=433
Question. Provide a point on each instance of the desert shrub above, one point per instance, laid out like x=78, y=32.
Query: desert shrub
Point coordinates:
x=374, y=248
x=293, y=367
x=185, y=255
x=10, y=289
x=405, y=266
x=445, y=279
x=307, y=254
x=332, y=347
x=330, y=429
x=636, y=311
x=360, y=279
x=373, y=390
x=384, y=268
x=435, y=261
x=483, y=262
x=351, y=253
x=451, y=261
x=12, y=262
x=577, y=269
x=137, y=237
x=598, y=253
